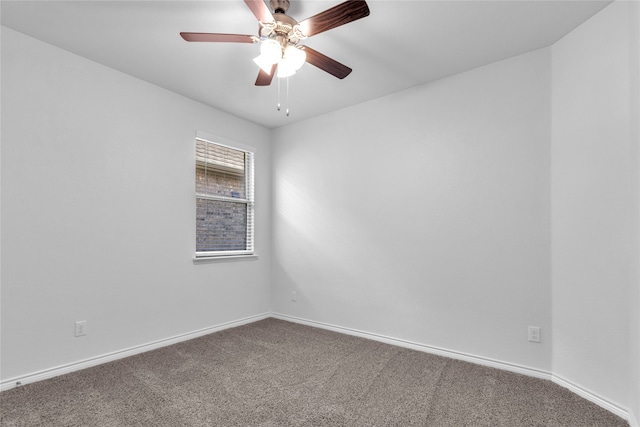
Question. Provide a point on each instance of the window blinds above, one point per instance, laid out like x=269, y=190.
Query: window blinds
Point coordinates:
x=224, y=200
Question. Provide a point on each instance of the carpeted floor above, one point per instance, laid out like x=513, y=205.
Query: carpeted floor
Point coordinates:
x=277, y=373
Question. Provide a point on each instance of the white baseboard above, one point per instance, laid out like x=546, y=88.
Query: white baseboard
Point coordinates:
x=594, y=398
x=479, y=360
x=98, y=360
x=524, y=370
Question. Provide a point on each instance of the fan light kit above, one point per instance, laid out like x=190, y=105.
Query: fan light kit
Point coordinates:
x=280, y=34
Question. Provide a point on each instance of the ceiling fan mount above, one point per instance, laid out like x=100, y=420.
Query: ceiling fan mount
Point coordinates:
x=279, y=6
x=279, y=35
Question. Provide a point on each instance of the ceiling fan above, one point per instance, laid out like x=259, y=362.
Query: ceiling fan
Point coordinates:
x=279, y=35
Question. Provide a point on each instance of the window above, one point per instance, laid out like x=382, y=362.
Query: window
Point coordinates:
x=224, y=200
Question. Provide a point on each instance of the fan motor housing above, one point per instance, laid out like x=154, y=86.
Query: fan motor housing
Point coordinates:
x=283, y=27
x=284, y=23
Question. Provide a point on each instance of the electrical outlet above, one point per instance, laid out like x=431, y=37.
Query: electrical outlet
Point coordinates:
x=81, y=328
x=534, y=333
x=294, y=296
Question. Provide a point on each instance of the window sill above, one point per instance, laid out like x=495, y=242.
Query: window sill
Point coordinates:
x=229, y=258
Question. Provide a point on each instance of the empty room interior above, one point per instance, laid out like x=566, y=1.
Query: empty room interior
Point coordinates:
x=471, y=189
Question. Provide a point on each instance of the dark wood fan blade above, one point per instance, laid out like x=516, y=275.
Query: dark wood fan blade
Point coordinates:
x=260, y=10
x=216, y=37
x=265, y=79
x=325, y=63
x=336, y=16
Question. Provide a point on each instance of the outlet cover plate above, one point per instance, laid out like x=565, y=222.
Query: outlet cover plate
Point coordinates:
x=534, y=333
x=81, y=328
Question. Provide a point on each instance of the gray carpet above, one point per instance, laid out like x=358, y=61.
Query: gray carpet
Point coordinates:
x=277, y=373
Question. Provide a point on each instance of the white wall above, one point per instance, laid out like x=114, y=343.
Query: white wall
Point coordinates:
x=634, y=339
x=594, y=207
x=98, y=212
x=424, y=215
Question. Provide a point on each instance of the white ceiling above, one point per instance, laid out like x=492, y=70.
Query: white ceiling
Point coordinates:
x=400, y=45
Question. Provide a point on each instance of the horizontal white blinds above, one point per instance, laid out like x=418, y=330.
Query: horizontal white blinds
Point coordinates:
x=224, y=200
x=219, y=157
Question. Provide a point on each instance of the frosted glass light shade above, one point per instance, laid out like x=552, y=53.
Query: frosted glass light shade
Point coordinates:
x=285, y=69
x=271, y=50
x=294, y=57
x=264, y=63
x=291, y=62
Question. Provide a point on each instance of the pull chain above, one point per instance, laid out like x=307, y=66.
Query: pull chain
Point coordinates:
x=287, y=96
x=278, y=94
